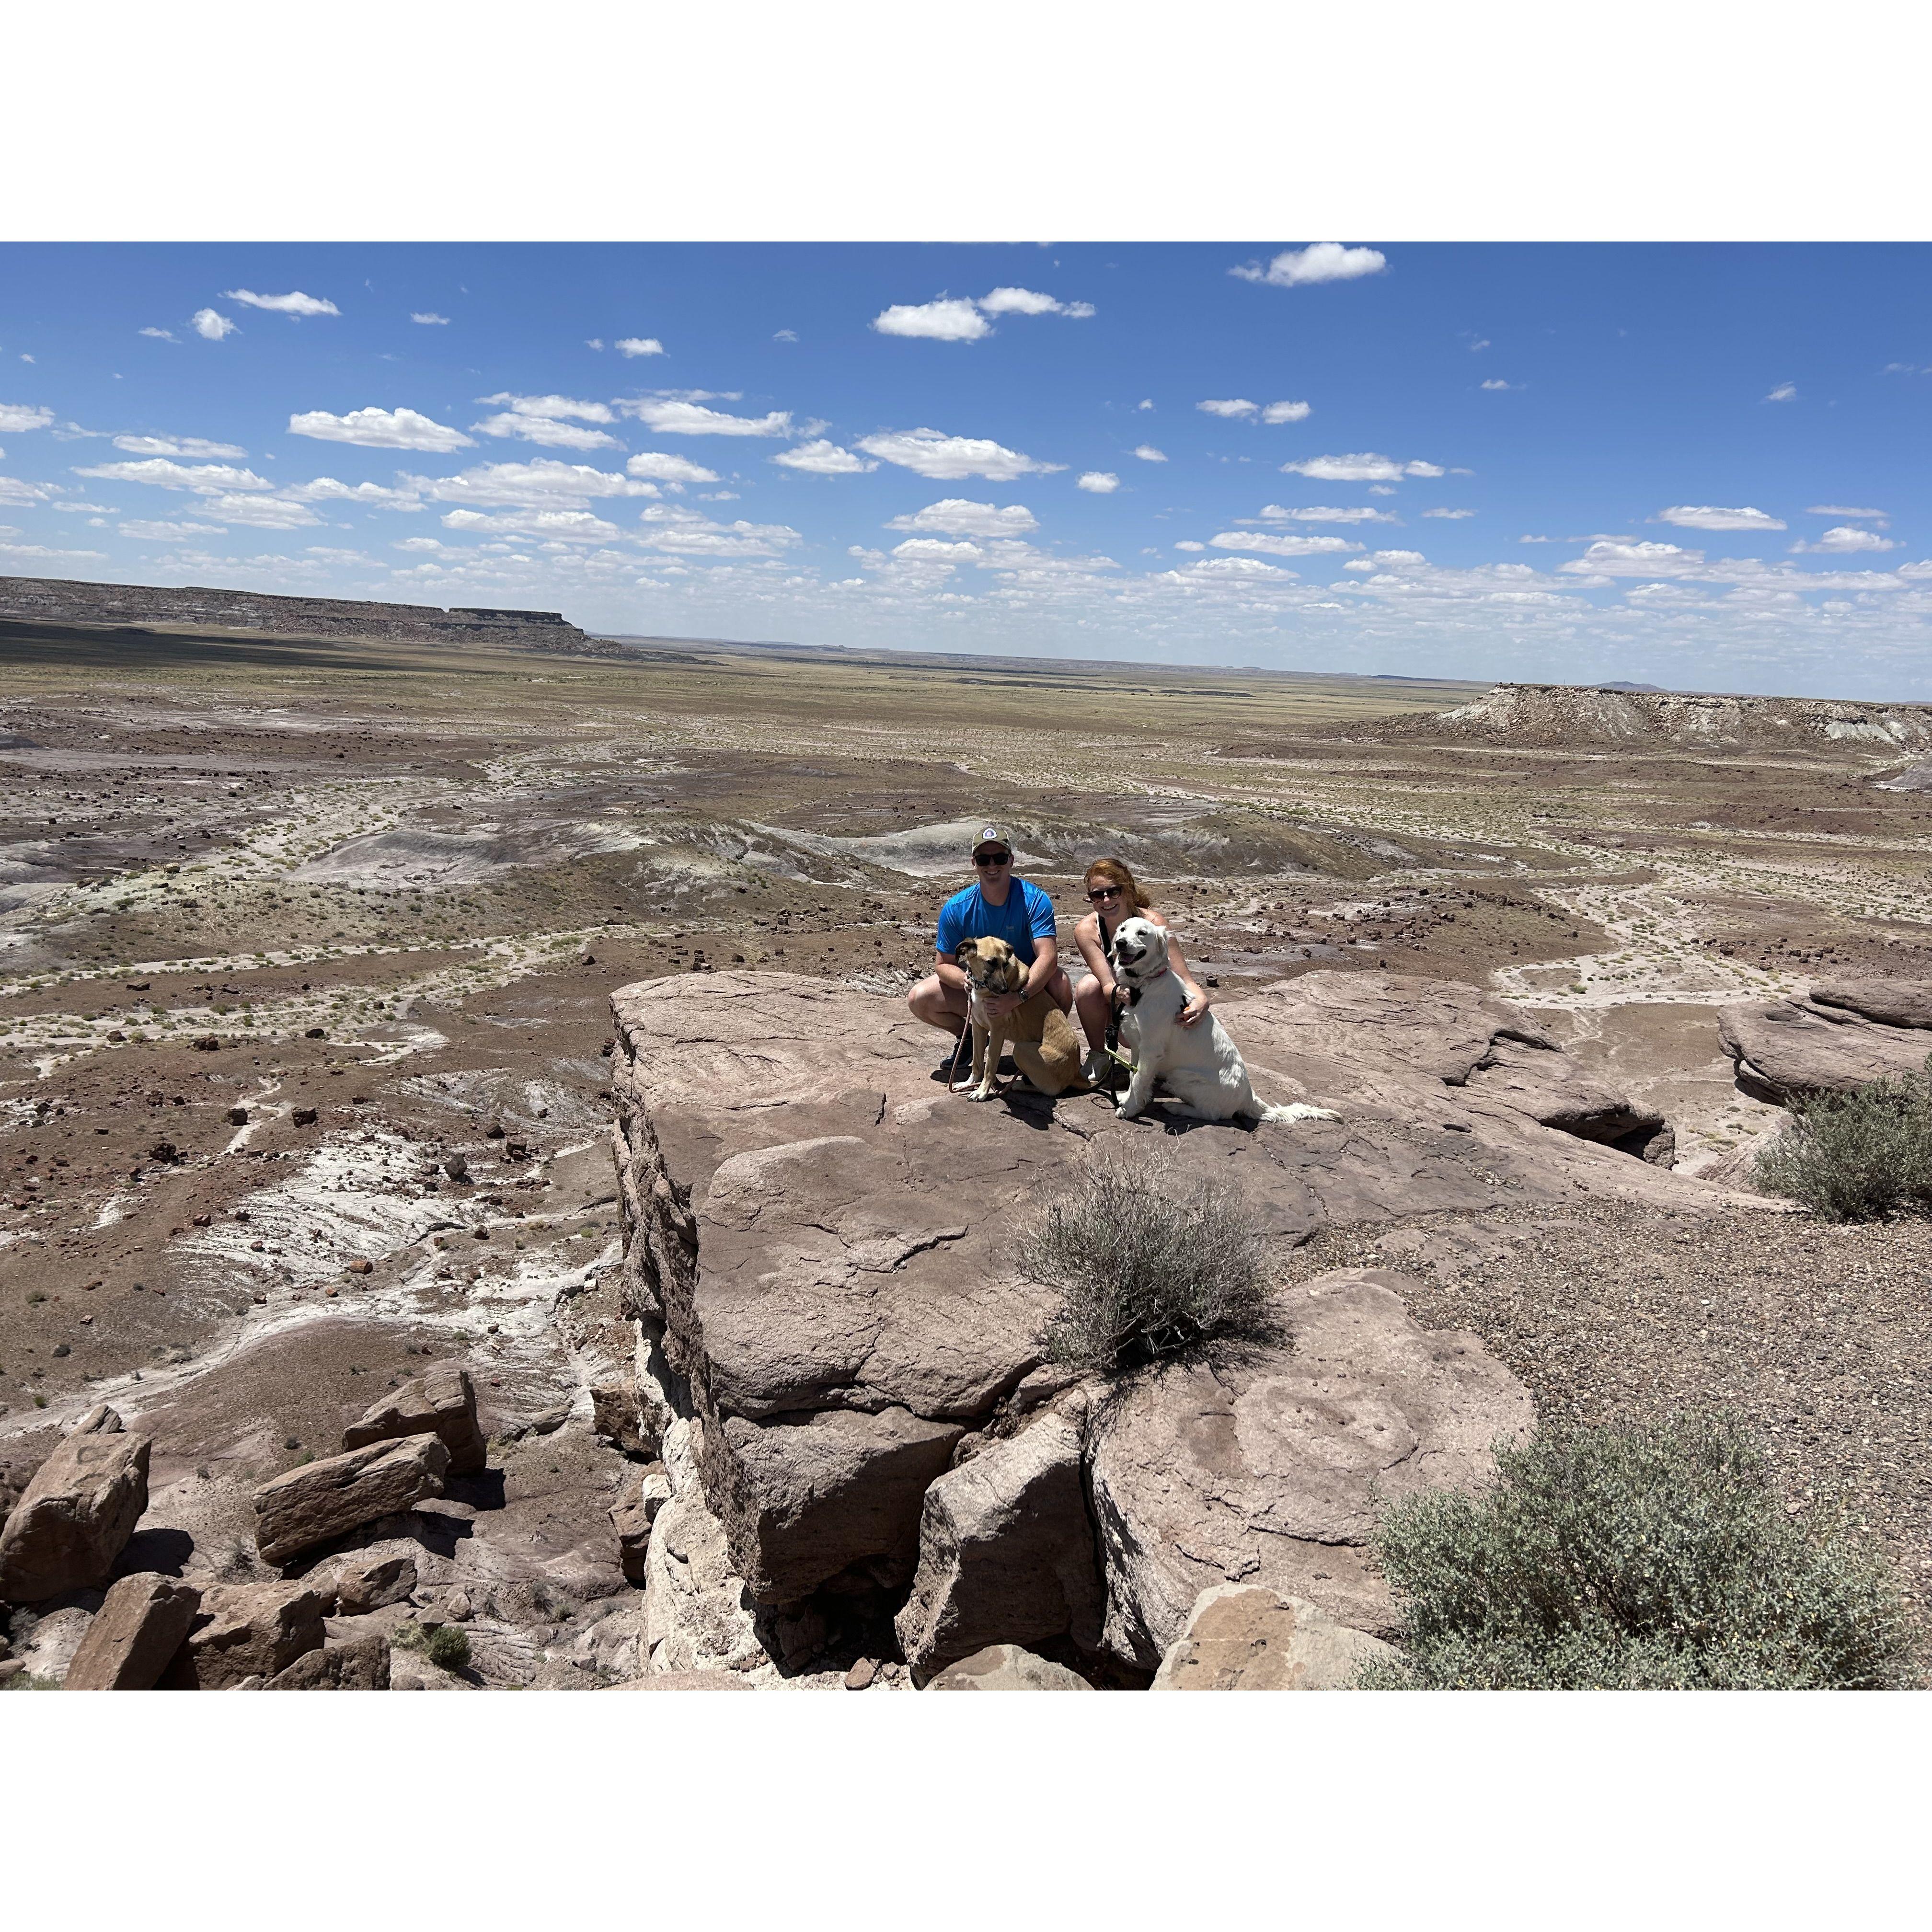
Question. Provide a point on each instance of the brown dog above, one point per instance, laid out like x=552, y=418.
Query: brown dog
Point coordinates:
x=1044, y=1046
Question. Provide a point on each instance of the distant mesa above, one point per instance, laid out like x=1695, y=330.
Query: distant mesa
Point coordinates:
x=63, y=601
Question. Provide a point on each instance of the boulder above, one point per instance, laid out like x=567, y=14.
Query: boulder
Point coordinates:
x=825, y=1234
x=142, y=1622
x=1006, y=1552
x=244, y=1630
x=1240, y=1637
x=320, y=1501
x=1005, y=1667
x=1270, y=1465
x=364, y=1584
x=696, y=1617
x=644, y=1494
x=74, y=1518
x=441, y=1402
x=362, y=1663
x=1783, y=1051
x=1892, y=1002
x=617, y=1415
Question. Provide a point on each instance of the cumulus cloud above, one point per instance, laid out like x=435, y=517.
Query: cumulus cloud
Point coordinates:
x=1286, y=412
x=684, y=532
x=210, y=323
x=634, y=346
x=1326, y=513
x=429, y=317
x=661, y=467
x=1100, y=482
x=1785, y=392
x=23, y=416
x=327, y=490
x=673, y=415
x=936, y=550
x=946, y=320
x=261, y=513
x=1843, y=510
x=1710, y=516
x=1319, y=261
x=1453, y=516
x=1280, y=545
x=1228, y=406
x=379, y=429
x=959, y=516
x=1030, y=301
x=295, y=305
x=1359, y=467
x=1497, y=382
x=544, y=430
x=822, y=457
x=785, y=335
x=540, y=484
x=14, y=489
x=1845, y=538
x=553, y=407
x=1607, y=558
x=1188, y=543
x=40, y=553
x=193, y=447
x=208, y=478
x=159, y=334
x=152, y=532
x=947, y=458
x=1147, y=453
x=559, y=526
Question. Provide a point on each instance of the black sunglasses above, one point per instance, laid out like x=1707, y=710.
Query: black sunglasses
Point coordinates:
x=992, y=858
x=1105, y=892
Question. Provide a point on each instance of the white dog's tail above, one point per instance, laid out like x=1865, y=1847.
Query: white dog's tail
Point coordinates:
x=1298, y=1110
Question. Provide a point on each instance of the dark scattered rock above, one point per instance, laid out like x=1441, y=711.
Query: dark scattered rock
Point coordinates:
x=304, y=1117
x=238, y=1116
x=440, y=1402
x=316, y=1033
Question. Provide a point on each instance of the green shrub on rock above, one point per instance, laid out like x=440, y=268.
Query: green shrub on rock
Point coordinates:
x=1857, y=1156
x=447, y=1648
x=1648, y=1557
x=1147, y=1264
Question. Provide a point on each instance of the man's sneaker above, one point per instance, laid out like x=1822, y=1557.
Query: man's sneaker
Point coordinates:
x=964, y=1054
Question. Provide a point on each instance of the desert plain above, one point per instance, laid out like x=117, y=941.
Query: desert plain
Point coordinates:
x=307, y=953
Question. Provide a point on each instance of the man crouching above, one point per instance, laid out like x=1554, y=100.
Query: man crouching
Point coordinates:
x=997, y=905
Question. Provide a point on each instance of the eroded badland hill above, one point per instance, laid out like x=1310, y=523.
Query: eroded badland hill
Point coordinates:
x=308, y=1078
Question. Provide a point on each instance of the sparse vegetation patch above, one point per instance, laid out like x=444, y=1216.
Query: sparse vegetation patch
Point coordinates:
x=1857, y=1156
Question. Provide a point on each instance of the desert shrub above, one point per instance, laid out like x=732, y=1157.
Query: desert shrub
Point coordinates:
x=447, y=1648
x=1653, y=1556
x=1146, y=1263
x=1855, y=1156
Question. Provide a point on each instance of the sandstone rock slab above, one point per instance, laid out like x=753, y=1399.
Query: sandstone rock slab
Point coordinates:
x=631, y=1516
x=1240, y=1637
x=1006, y=1552
x=361, y=1663
x=1783, y=1051
x=1892, y=1002
x=1271, y=1466
x=320, y=1501
x=366, y=1584
x=142, y=1622
x=1006, y=1666
x=74, y=1518
x=441, y=1402
x=244, y=1630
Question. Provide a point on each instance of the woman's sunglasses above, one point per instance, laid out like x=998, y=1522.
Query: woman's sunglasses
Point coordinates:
x=1100, y=892
x=992, y=858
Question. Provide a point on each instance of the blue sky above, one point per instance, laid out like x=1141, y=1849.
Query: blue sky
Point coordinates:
x=1717, y=453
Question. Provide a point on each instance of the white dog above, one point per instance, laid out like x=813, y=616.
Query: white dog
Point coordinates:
x=1199, y=1065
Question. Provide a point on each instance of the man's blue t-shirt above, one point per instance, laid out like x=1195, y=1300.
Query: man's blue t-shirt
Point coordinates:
x=1027, y=915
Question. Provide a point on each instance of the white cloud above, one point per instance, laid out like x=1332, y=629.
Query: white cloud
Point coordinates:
x=1326, y=513
x=953, y=319
x=159, y=334
x=936, y=550
x=1453, y=516
x=684, y=532
x=1145, y=403
x=430, y=317
x=210, y=323
x=822, y=458
x=559, y=526
x=1319, y=261
x=1845, y=538
x=947, y=458
x=209, y=478
x=1100, y=482
x=1029, y=301
x=1228, y=406
x=294, y=305
x=593, y=342
x=1428, y=470
x=634, y=346
x=14, y=489
x=1497, y=382
x=1286, y=413
x=261, y=513
x=327, y=490
x=957, y=516
x=1273, y=545
x=674, y=416
x=23, y=416
x=379, y=429
x=540, y=484
x=1785, y=392
x=1477, y=347
x=32, y=553
x=1609, y=558
x=661, y=467
x=1359, y=467
x=193, y=447
x=148, y=533
x=1842, y=510
x=1380, y=489
x=543, y=429
x=1710, y=516
x=785, y=335
x=1147, y=453
x=550, y=406
x=1188, y=543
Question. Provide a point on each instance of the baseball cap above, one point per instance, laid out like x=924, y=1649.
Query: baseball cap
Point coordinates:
x=991, y=835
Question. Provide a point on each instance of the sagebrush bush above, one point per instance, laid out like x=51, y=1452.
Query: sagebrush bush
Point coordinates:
x=447, y=1648
x=1855, y=1156
x=1645, y=1557
x=1146, y=1263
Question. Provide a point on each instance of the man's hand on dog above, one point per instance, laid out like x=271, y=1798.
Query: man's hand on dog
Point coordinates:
x=999, y=1005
